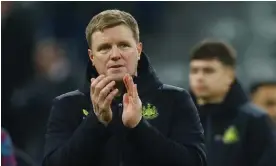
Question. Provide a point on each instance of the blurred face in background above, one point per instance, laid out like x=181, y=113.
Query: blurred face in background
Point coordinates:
x=210, y=78
x=265, y=97
x=115, y=52
x=51, y=61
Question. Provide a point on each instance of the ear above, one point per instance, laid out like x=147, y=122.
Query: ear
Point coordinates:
x=91, y=57
x=231, y=75
x=139, y=49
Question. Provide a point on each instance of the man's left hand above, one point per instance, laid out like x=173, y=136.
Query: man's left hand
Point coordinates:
x=132, y=112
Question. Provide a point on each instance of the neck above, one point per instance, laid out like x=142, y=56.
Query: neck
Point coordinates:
x=120, y=86
x=214, y=99
x=211, y=100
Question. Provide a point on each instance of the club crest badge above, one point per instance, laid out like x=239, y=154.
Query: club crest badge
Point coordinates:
x=149, y=111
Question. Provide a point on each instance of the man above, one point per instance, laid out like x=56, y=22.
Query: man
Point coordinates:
x=125, y=116
x=237, y=133
x=264, y=95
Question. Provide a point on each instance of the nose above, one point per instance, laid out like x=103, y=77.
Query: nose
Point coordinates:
x=199, y=76
x=115, y=54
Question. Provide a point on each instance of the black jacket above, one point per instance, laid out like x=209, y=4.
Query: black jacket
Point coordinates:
x=237, y=132
x=169, y=134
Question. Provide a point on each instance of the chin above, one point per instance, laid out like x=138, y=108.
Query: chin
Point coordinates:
x=117, y=77
x=202, y=94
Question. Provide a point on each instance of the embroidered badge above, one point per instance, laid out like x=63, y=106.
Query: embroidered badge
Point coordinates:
x=231, y=135
x=149, y=111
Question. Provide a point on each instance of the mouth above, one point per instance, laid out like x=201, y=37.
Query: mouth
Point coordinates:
x=116, y=66
x=201, y=88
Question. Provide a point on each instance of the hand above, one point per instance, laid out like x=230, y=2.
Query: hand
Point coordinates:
x=102, y=94
x=132, y=112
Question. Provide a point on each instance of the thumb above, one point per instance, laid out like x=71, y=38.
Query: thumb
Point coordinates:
x=125, y=99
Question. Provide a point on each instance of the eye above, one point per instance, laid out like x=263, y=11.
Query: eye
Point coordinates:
x=208, y=70
x=270, y=103
x=104, y=47
x=193, y=70
x=124, y=45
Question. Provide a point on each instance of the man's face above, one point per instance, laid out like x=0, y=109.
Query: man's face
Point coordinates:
x=115, y=52
x=209, y=78
x=265, y=97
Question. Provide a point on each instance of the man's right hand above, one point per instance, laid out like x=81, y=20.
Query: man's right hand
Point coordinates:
x=102, y=94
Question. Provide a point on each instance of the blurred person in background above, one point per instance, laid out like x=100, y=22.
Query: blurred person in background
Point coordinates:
x=237, y=132
x=17, y=33
x=123, y=115
x=7, y=150
x=12, y=156
x=263, y=94
x=53, y=74
x=34, y=70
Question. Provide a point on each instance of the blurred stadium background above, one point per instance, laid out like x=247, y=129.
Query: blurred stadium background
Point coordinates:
x=44, y=51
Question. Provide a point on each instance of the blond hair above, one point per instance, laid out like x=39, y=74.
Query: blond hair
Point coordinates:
x=109, y=19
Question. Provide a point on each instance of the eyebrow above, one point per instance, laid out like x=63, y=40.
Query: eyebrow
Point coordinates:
x=102, y=45
x=124, y=42
x=108, y=44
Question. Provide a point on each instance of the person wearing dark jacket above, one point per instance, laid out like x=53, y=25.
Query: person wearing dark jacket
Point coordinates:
x=237, y=132
x=263, y=94
x=123, y=116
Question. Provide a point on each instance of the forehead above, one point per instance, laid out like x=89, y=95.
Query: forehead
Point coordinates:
x=198, y=63
x=267, y=91
x=113, y=34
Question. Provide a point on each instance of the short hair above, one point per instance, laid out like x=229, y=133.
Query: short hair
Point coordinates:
x=255, y=86
x=109, y=19
x=214, y=49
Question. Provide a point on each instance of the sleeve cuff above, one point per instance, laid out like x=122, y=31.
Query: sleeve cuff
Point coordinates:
x=142, y=128
x=92, y=122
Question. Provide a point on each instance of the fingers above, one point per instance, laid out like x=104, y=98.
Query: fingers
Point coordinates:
x=108, y=100
x=130, y=99
x=102, y=97
x=125, y=98
x=101, y=84
x=135, y=92
x=94, y=82
x=105, y=91
x=128, y=81
x=125, y=81
x=103, y=111
x=96, y=86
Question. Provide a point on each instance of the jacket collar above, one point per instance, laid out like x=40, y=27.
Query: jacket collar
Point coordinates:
x=146, y=78
x=235, y=98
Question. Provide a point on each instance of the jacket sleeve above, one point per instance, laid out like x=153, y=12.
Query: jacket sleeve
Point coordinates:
x=262, y=142
x=185, y=145
x=69, y=143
